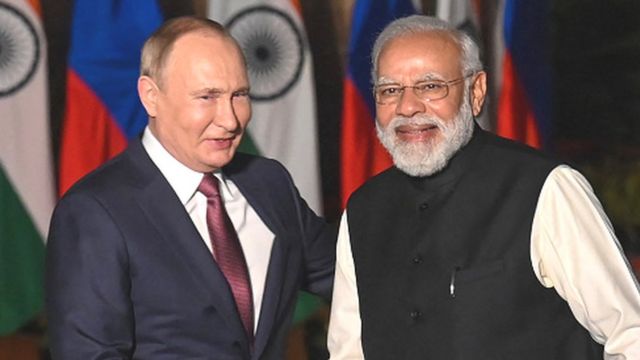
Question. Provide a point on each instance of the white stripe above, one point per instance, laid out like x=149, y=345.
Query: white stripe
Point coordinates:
x=455, y=12
x=25, y=148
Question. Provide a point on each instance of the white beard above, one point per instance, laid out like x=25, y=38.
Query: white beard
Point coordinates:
x=428, y=157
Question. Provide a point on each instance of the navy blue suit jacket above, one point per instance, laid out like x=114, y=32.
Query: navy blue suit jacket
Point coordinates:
x=129, y=277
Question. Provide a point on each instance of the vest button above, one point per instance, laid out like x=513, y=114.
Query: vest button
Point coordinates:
x=415, y=315
x=417, y=259
x=423, y=206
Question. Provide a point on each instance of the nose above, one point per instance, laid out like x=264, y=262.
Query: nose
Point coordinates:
x=226, y=117
x=409, y=104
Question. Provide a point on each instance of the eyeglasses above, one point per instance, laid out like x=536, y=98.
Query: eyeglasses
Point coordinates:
x=426, y=90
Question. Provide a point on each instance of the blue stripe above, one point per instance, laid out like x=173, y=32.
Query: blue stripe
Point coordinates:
x=368, y=19
x=106, y=39
x=526, y=25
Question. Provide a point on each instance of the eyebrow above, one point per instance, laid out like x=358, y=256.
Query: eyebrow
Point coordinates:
x=206, y=91
x=430, y=76
x=383, y=80
x=243, y=88
x=218, y=91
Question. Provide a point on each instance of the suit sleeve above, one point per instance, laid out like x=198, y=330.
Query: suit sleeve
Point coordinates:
x=319, y=239
x=320, y=260
x=87, y=283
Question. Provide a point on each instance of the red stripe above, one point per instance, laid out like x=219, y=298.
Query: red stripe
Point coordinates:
x=36, y=6
x=296, y=5
x=362, y=154
x=90, y=135
x=515, y=114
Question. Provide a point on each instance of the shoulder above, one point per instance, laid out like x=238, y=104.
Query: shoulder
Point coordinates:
x=92, y=199
x=115, y=177
x=564, y=179
x=508, y=152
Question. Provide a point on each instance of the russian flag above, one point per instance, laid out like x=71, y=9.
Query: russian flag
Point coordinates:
x=524, y=104
x=102, y=109
x=362, y=155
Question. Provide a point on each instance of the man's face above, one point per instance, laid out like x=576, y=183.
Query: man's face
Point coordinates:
x=202, y=104
x=423, y=135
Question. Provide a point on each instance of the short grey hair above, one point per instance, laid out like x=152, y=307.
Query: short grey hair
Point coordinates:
x=416, y=24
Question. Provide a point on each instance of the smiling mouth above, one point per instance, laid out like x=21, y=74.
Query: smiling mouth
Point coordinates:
x=415, y=130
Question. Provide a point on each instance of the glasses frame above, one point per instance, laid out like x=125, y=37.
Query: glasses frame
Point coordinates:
x=413, y=87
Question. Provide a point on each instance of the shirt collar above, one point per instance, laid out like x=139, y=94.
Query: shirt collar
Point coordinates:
x=183, y=180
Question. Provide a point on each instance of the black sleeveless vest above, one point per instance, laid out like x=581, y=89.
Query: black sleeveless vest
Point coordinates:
x=443, y=262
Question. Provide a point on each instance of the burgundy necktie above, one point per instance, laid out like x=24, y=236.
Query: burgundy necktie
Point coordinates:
x=228, y=252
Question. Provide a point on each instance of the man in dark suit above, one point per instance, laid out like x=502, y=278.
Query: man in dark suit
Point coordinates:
x=144, y=262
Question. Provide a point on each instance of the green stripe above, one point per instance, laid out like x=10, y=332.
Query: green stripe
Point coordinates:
x=21, y=262
x=306, y=306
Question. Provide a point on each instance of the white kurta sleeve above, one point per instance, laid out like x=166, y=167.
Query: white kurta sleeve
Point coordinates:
x=344, y=336
x=574, y=249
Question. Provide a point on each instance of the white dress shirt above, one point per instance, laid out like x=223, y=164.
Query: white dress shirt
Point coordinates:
x=573, y=249
x=255, y=237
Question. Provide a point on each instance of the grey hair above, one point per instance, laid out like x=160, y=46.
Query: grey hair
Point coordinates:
x=415, y=24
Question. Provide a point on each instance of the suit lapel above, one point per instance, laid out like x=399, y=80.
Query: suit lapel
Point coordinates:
x=163, y=208
x=256, y=195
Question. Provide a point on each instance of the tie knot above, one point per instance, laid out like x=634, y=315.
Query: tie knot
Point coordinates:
x=209, y=186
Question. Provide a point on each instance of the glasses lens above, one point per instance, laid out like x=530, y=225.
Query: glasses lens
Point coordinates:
x=387, y=94
x=431, y=90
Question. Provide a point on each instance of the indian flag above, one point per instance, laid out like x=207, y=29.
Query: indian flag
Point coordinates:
x=26, y=176
x=283, y=126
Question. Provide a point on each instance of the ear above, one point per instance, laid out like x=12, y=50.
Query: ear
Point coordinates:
x=478, y=92
x=148, y=92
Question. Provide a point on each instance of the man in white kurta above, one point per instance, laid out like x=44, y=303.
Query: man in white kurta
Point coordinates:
x=429, y=85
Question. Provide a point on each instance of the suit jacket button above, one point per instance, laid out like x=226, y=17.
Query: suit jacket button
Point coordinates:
x=417, y=259
x=415, y=315
x=423, y=206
